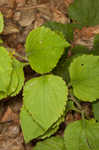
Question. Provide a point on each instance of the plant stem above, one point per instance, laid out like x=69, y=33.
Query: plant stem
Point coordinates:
x=79, y=107
x=83, y=115
x=75, y=101
x=20, y=56
x=13, y=52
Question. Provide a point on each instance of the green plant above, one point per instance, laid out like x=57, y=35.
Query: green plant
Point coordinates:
x=85, y=12
x=62, y=85
x=78, y=135
x=45, y=97
x=1, y=22
x=56, y=143
x=11, y=70
x=1, y=25
x=43, y=48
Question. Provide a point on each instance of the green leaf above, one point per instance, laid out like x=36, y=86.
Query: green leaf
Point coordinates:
x=82, y=135
x=31, y=129
x=95, y=108
x=34, y=130
x=96, y=42
x=1, y=41
x=44, y=49
x=3, y=95
x=70, y=106
x=45, y=98
x=18, y=66
x=5, y=69
x=84, y=75
x=85, y=12
x=62, y=69
x=80, y=49
x=1, y=22
x=96, y=45
x=49, y=132
x=52, y=130
x=66, y=29
x=17, y=78
x=13, y=80
x=54, y=143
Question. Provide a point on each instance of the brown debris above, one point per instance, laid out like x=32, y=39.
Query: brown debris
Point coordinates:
x=85, y=36
x=10, y=28
x=3, y=2
x=70, y=117
x=26, y=20
x=68, y=2
x=9, y=115
x=8, y=143
x=58, y=16
x=20, y=3
x=11, y=3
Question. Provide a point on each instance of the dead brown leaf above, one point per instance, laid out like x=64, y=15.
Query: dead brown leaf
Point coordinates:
x=11, y=3
x=58, y=16
x=9, y=115
x=68, y=2
x=85, y=36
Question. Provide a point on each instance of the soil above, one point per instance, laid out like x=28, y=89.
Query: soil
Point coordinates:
x=21, y=16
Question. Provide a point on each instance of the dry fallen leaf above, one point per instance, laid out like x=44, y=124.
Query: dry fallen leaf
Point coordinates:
x=68, y=2
x=85, y=36
x=9, y=115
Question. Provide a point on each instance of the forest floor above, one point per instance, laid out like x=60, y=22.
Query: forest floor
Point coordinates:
x=21, y=16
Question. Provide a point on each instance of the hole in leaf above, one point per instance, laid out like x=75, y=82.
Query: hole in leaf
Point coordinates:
x=82, y=64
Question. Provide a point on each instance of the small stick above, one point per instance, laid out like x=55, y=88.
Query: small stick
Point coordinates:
x=31, y=7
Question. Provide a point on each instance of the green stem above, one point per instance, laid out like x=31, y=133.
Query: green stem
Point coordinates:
x=79, y=107
x=14, y=53
x=77, y=110
x=83, y=115
x=76, y=102
x=20, y=56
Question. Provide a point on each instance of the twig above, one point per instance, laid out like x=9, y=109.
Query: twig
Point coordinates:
x=31, y=7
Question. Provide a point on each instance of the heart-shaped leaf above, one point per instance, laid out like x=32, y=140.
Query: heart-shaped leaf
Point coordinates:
x=54, y=143
x=31, y=129
x=5, y=69
x=82, y=135
x=45, y=98
x=44, y=48
x=85, y=12
x=84, y=75
x=34, y=129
